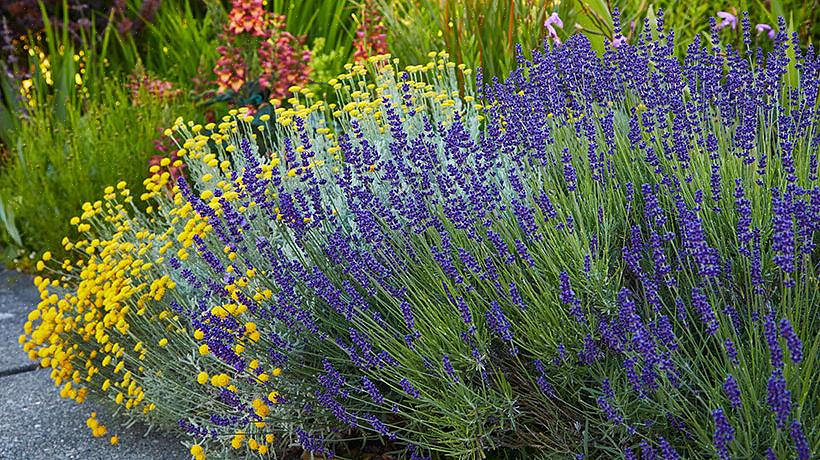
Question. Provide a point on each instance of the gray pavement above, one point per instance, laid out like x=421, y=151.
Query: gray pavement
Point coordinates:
x=18, y=295
x=35, y=423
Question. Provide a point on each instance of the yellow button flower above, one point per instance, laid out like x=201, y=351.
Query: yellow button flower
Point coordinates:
x=198, y=452
x=220, y=380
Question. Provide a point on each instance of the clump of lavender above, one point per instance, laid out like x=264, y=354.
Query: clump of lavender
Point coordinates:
x=407, y=237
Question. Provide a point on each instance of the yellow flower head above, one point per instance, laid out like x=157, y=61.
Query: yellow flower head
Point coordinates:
x=198, y=452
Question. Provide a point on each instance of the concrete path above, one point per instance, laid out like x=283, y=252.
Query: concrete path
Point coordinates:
x=35, y=423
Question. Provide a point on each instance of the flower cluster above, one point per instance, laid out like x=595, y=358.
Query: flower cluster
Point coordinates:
x=258, y=48
x=110, y=323
x=83, y=333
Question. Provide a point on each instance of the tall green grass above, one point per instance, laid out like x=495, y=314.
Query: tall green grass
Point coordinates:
x=58, y=162
x=331, y=20
x=179, y=44
x=482, y=33
x=55, y=70
x=478, y=33
x=328, y=26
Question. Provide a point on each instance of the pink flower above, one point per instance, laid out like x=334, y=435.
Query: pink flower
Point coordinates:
x=760, y=28
x=281, y=59
x=248, y=16
x=230, y=69
x=729, y=19
x=554, y=19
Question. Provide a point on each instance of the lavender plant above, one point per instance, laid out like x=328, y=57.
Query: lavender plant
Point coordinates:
x=621, y=257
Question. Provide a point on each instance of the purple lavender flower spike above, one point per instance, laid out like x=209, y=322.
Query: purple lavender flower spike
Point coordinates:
x=448, y=369
x=779, y=398
x=772, y=340
x=498, y=322
x=606, y=388
x=372, y=390
x=732, y=391
x=731, y=351
x=667, y=451
x=542, y=382
x=724, y=434
x=783, y=239
x=568, y=298
x=647, y=451
x=589, y=353
x=704, y=309
x=801, y=444
x=611, y=414
x=379, y=426
x=409, y=388
x=793, y=342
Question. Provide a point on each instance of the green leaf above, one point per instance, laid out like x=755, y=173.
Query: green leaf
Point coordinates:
x=7, y=219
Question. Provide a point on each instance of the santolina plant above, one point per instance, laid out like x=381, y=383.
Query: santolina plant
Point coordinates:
x=611, y=256
x=105, y=328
